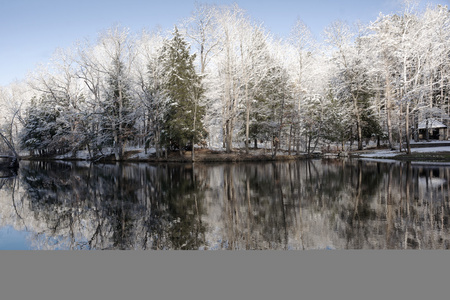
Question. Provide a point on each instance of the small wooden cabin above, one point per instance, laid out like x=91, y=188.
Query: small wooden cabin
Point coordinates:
x=436, y=130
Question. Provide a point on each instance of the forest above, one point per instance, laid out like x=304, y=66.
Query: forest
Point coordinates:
x=221, y=80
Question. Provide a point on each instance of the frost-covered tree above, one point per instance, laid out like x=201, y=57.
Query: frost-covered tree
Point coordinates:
x=227, y=70
x=408, y=52
x=150, y=89
x=45, y=131
x=13, y=102
x=239, y=68
x=203, y=30
x=384, y=64
x=255, y=63
x=118, y=113
x=337, y=124
x=57, y=84
x=309, y=73
x=352, y=80
x=271, y=107
x=304, y=49
x=117, y=106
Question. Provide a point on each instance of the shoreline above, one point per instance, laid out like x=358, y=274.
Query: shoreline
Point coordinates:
x=209, y=156
x=430, y=152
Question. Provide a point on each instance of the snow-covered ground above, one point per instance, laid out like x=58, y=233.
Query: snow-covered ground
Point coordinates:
x=381, y=153
x=142, y=155
x=393, y=153
x=84, y=155
x=431, y=149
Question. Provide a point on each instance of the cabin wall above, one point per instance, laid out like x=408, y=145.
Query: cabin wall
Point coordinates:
x=440, y=134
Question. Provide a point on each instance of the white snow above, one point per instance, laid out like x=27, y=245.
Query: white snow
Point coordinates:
x=381, y=153
x=393, y=153
x=431, y=149
x=84, y=155
x=380, y=160
x=142, y=155
x=432, y=182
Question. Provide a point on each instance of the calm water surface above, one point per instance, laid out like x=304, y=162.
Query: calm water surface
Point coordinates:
x=319, y=204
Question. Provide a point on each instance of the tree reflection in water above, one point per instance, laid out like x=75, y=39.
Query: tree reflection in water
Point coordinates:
x=316, y=204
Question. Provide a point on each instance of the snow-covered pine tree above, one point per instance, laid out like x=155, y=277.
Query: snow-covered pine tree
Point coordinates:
x=183, y=122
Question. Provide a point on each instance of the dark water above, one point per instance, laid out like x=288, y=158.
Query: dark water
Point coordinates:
x=315, y=204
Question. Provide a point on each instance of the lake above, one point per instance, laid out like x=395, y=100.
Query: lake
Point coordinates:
x=296, y=205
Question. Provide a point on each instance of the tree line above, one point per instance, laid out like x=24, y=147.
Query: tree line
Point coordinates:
x=221, y=79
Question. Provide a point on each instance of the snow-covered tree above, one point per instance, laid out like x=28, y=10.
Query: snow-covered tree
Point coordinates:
x=239, y=84
x=352, y=79
x=183, y=89
x=149, y=88
x=118, y=111
x=45, y=131
x=229, y=20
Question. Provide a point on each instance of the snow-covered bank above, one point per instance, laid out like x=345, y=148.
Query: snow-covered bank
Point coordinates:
x=430, y=149
x=434, y=154
x=394, y=153
x=380, y=154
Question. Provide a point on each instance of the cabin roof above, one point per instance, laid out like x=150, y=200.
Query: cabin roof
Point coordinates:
x=432, y=124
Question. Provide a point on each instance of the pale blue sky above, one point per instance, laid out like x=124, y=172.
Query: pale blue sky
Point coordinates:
x=31, y=30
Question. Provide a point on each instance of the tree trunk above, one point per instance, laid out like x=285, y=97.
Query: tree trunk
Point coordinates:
x=120, y=137
x=116, y=143
x=247, y=106
x=388, y=108
x=157, y=142
x=400, y=133
x=247, y=124
x=228, y=96
x=358, y=121
x=309, y=144
x=290, y=139
x=416, y=127
x=194, y=125
x=408, y=143
x=224, y=134
x=229, y=136
x=360, y=140
x=275, y=143
x=193, y=150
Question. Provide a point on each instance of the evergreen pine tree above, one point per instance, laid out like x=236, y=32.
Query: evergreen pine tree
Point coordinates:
x=183, y=121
